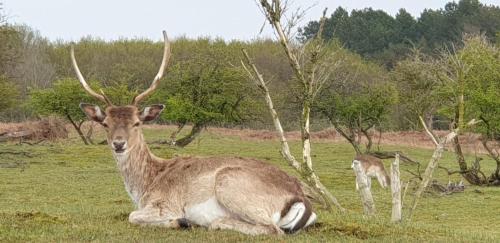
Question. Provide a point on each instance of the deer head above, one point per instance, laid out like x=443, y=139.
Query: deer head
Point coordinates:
x=122, y=123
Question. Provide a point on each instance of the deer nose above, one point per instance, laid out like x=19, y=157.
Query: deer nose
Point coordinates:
x=119, y=145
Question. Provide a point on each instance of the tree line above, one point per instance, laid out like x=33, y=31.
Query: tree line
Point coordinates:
x=205, y=83
x=385, y=39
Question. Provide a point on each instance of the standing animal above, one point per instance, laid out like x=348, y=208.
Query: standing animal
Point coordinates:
x=373, y=167
x=245, y=195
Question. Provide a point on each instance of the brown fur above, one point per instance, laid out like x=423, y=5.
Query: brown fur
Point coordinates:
x=374, y=167
x=251, y=191
x=122, y=113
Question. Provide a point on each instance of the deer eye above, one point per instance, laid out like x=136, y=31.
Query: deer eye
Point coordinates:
x=104, y=125
x=137, y=124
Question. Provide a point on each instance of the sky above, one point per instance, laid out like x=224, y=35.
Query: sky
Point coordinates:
x=71, y=20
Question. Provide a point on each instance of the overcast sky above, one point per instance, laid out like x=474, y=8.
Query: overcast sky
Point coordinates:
x=229, y=19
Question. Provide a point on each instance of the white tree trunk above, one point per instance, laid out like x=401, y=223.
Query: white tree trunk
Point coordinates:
x=428, y=131
x=363, y=188
x=306, y=137
x=273, y=13
x=404, y=193
x=434, y=161
x=261, y=84
x=396, y=190
x=305, y=171
x=430, y=169
x=285, y=149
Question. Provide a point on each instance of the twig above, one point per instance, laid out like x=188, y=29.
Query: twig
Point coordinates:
x=404, y=193
x=431, y=135
x=418, y=176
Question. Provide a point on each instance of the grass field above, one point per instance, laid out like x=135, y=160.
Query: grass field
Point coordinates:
x=70, y=192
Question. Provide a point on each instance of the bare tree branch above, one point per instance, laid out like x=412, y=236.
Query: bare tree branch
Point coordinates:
x=259, y=81
x=431, y=135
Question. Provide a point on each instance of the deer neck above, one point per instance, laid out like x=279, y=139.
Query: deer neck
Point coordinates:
x=137, y=166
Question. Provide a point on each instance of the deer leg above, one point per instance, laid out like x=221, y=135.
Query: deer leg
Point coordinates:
x=381, y=180
x=244, y=227
x=153, y=216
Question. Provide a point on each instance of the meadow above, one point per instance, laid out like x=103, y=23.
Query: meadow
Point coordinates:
x=66, y=192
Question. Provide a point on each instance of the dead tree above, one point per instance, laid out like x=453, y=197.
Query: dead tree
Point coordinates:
x=306, y=172
x=363, y=188
x=433, y=163
x=396, y=191
x=310, y=69
x=430, y=169
x=261, y=84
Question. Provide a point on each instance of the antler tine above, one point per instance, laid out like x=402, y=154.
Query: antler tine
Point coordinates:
x=87, y=88
x=156, y=80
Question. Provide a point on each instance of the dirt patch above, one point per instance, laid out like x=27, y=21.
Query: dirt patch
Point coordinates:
x=419, y=139
x=53, y=128
x=470, y=141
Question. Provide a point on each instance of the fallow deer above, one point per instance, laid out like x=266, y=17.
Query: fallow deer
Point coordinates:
x=373, y=167
x=241, y=194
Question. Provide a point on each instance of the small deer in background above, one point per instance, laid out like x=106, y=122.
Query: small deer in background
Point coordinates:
x=246, y=195
x=373, y=167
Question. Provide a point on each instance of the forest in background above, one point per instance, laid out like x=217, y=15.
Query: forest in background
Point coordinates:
x=385, y=39
x=387, y=72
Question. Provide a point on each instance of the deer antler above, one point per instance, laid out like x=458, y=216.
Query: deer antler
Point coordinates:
x=156, y=80
x=87, y=88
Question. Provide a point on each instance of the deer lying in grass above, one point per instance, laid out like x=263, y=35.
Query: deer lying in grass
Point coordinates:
x=241, y=194
x=373, y=167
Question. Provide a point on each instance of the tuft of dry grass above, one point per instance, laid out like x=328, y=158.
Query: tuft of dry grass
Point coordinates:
x=49, y=128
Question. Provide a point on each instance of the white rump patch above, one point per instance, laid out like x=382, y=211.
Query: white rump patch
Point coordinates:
x=293, y=216
x=311, y=220
x=205, y=213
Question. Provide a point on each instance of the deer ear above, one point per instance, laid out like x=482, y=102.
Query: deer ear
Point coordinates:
x=93, y=112
x=151, y=112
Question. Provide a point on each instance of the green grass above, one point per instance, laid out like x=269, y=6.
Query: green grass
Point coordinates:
x=71, y=192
